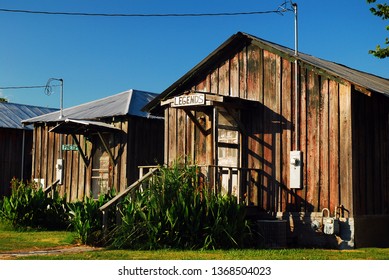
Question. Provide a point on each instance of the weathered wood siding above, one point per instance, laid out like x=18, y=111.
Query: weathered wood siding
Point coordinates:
x=371, y=153
x=325, y=128
x=11, y=150
x=140, y=144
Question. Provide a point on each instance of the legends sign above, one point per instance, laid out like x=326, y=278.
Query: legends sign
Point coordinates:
x=189, y=100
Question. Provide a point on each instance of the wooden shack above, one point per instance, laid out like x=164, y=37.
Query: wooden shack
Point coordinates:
x=308, y=149
x=16, y=142
x=97, y=146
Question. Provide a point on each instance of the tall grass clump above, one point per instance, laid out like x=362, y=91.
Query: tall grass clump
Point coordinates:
x=29, y=207
x=173, y=212
x=85, y=219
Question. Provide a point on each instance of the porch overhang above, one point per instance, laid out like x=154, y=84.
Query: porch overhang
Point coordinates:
x=195, y=100
x=83, y=127
x=86, y=127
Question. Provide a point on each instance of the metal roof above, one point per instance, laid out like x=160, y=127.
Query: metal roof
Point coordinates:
x=84, y=127
x=237, y=41
x=12, y=114
x=125, y=103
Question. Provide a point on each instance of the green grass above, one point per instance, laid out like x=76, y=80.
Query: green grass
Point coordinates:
x=11, y=241
x=284, y=254
x=24, y=240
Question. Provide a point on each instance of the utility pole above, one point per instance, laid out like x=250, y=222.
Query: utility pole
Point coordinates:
x=60, y=162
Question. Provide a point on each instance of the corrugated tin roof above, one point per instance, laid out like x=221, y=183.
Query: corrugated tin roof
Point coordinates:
x=84, y=127
x=129, y=102
x=12, y=114
x=369, y=81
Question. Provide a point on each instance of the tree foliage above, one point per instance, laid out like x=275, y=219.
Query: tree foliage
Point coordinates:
x=381, y=10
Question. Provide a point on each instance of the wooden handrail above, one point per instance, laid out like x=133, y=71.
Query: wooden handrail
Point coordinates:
x=127, y=190
x=52, y=186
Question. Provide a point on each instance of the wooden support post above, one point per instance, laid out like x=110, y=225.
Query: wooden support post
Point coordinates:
x=83, y=156
x=195, y=121
x=106, y=148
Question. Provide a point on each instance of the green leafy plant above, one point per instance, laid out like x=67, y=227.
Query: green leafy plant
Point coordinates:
x=173, y=212
x=29, y=206
x=86, y=219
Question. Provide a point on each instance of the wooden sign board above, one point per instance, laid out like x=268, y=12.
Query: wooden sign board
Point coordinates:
x=69, y=147
x=189, y=100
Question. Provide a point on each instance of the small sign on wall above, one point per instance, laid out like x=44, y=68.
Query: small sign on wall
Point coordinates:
x=69, y=147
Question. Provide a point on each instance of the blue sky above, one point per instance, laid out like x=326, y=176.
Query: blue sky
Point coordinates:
x=101, y=56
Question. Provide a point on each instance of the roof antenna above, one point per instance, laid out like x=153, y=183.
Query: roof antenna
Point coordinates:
x=49, y=91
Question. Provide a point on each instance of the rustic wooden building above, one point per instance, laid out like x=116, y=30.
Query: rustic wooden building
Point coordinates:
x=295, y=146
x=97, y=145
x=16, y=142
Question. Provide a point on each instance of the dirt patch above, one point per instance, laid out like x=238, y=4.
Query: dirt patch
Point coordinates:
x=47, y=251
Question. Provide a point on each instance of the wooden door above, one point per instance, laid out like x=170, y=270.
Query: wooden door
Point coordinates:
x=228, y=150
x=101, y=168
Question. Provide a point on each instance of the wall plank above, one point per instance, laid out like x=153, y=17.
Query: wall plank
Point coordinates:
x=313, y=138
x=345, y=141
x=333, y=144
x=234, y=76
x=324, y=146
x=286, y=132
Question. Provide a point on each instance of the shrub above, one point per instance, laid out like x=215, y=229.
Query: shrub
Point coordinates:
x=86, y=219
x=29, y=206
x=174, y=213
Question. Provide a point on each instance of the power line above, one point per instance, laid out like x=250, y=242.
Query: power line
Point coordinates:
x=26, y=87
x=282, y=8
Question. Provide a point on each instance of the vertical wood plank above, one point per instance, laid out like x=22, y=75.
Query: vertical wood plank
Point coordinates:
x=88, y=171
x=345, y=140
x=190, y=137
x=286, y=112
x=277, y=135
x=313, y=137
x=334, y=144
x=172, y=135
x=166, y=137
x=234, y=75
x=224, y=78
x=300, y=195
x=254, y=73
x=243, y=73
x=200, y=139
x=76, y=175
x=116, y=166
x=214, y=87
x=324, y=146
x=270, y=129
x=384, y=116
x=82, y=169
x=181, y=135
x=51, y=159
x=376, y=186
x=209, y=138
x=45, y=147
x=369, y=167
x=123, y=160
x=204, y=85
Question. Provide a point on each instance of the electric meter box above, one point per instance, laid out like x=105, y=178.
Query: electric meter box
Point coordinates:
x=59, y=170
x=296, y=163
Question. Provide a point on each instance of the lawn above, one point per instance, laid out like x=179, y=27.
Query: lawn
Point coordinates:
x=30, y=240
x=25, y=240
